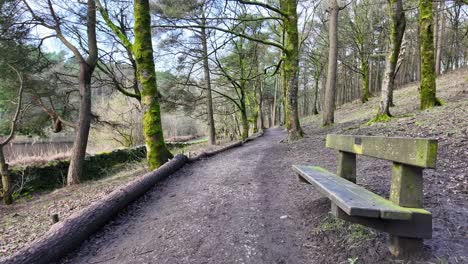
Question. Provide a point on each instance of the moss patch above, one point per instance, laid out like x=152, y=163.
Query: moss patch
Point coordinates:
x=379, y=118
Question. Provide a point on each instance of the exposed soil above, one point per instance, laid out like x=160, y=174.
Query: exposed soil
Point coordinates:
x=246, y=205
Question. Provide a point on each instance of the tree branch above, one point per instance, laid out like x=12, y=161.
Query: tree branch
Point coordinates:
x=14, y=121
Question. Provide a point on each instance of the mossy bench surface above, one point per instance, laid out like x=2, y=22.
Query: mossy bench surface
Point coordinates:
x=354, y=199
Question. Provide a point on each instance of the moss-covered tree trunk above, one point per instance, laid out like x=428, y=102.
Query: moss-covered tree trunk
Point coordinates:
x=427, y=91
x=157, y=152
x=245, y=123
x=291, y=68
x=397, y=30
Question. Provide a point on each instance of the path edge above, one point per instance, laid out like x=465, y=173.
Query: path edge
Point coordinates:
x=67, y=235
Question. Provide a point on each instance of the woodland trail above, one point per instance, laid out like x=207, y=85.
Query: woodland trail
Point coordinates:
x=241, y=206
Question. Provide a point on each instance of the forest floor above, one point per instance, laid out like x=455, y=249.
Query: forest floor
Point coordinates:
x=30, y=216
x=246, y=205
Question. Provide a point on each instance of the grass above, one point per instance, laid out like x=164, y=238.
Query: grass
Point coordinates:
x=352, y=233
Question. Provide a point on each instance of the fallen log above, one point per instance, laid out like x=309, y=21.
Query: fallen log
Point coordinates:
x=64, y=237
x=228, y=147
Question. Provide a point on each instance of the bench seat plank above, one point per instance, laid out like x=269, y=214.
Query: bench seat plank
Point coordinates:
x=354, y=199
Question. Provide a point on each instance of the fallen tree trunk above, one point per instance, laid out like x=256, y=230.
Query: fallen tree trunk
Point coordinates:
x=65, y=236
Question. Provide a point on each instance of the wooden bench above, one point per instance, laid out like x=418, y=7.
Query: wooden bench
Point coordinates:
x=402, y=216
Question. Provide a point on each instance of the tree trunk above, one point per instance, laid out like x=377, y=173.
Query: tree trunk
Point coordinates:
x=260, y=105
x=75, y=171
x=305, y=106
x=275, y=102
x=209, y=99
x=316, y=88
x=329, y=102
x=398, y=24
x=245, y=124
x=157, y=152
x=6, y=179
x=440, y=38
x=269, y=116
x=291, y=68
x=427, y=89
x=365, y=78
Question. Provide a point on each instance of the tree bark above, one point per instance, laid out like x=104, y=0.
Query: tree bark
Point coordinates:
x=75, y=171
x=209, y=98
x=440, y=38
x=305, y=101
x=398, y=24
x=260, y=105
x=365, y=78
x=275, y=102
x=87, y=66
x=6, y=179
x=427, y=89
x=157, y=152
x=291, y=68
x=316, y=88
x=245, y=124
x=328, y=117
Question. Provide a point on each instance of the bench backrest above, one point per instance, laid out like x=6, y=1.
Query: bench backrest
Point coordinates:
x=417, y=152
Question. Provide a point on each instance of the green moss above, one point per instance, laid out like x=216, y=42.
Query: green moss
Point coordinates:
x=157, y=151
x=290, y=69
x=426, y=36
x=317, y=168
x=379, y=118
x=440, y=102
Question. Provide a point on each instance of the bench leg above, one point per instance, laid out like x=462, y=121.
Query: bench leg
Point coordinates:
x=404, y=247
x=347, y=166
x=406, y=190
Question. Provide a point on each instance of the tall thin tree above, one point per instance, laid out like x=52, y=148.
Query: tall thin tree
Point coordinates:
x=328, y=117
x=397, y=30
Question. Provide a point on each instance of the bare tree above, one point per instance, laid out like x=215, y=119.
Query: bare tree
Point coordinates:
x=54, y=22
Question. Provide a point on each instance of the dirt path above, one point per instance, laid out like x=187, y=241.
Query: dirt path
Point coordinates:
x=237, y=207
x=246, y=206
